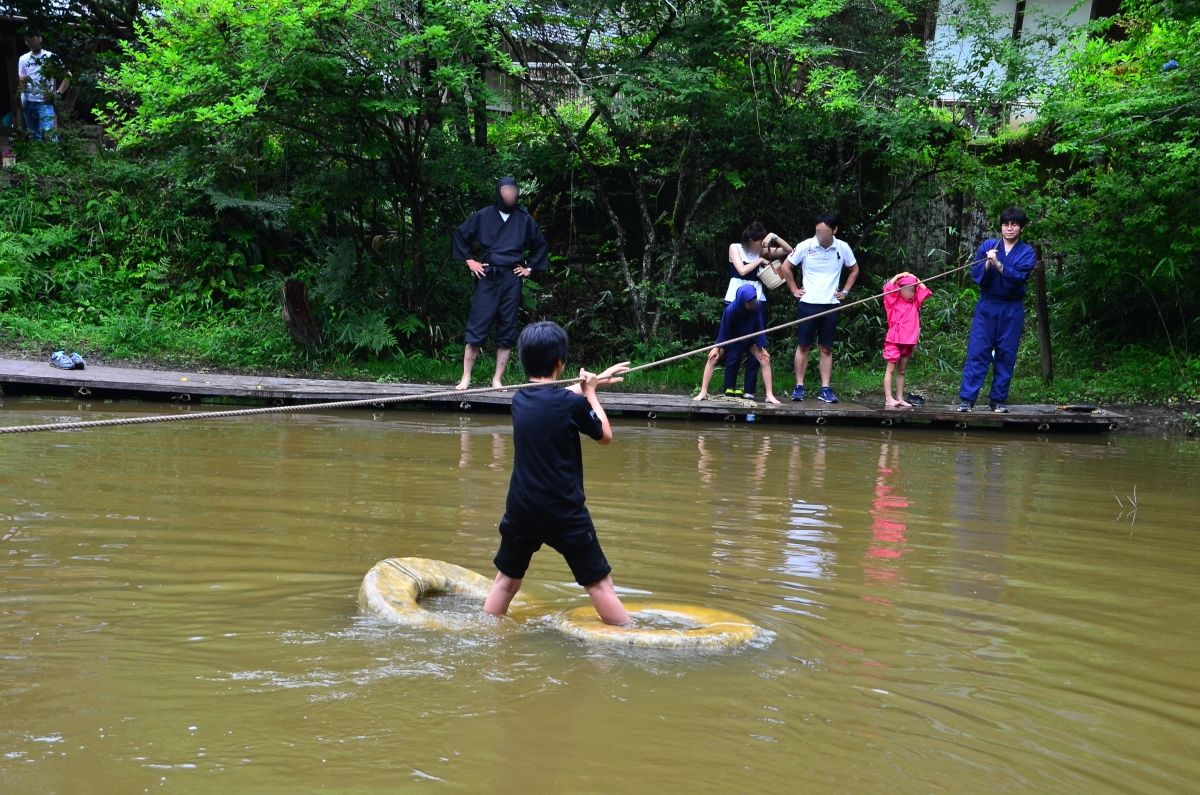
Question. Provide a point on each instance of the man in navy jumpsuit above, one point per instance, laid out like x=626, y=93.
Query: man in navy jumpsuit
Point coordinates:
x=502, y=245
x=1000, y=268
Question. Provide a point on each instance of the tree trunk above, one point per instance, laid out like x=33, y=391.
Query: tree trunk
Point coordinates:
x=480, y=108
x=298, y=317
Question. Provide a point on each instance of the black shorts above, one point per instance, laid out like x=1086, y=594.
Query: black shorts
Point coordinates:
x=821, y=330
x=497, y=299
x=578, y=545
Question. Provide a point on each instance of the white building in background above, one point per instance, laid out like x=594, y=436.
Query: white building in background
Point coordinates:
x=1044, y=28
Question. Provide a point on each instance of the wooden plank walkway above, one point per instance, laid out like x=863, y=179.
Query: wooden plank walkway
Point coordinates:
x=99, y=383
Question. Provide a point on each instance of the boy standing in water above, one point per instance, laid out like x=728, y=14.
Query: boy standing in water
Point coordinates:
x=545, y=502
x=902, y=302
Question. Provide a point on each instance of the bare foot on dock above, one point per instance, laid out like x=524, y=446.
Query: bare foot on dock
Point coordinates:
x=461, y=385
x=772, y=400
x=701, y=396
x=904, y=404
x=891, y=404
x=496, y=384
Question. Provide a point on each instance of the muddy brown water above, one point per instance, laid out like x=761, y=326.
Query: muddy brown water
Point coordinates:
x=979, y=612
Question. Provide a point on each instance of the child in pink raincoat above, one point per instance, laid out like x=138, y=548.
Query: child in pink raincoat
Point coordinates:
x=902, y=303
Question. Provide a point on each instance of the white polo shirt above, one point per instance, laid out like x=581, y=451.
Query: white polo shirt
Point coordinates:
x=822, y=269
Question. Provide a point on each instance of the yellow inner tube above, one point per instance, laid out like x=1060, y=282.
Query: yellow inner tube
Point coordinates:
x=699, y=627
x=393, y=588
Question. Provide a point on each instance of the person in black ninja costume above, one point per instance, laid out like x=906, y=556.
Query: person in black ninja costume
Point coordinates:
x=502, y=245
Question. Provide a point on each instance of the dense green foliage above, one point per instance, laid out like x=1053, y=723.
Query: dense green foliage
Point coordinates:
x=1121, y=205
x=338, y=143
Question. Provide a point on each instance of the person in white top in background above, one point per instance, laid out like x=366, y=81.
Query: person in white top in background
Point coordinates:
x=38, y=90
x=820, y=260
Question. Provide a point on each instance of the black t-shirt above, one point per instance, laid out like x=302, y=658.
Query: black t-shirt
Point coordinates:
x=547, y=478
x=517, y=241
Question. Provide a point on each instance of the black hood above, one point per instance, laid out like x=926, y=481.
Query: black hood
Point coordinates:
x=500, y=205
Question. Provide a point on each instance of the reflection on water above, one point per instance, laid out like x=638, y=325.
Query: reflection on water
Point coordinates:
x=888, y=525
x=950, y=612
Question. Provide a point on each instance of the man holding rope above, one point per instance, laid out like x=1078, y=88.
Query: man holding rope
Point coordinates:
x=503, y=246
x=1000, y=268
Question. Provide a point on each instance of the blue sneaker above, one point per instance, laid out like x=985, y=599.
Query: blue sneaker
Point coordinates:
x=826, y=395
x=61, y=360
x=798, y=392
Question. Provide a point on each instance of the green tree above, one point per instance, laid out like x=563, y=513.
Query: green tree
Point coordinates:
x=1121, y=204
x=320, y=129
x=684, y=120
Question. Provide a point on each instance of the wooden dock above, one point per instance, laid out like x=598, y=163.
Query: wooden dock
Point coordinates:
x=98, y=383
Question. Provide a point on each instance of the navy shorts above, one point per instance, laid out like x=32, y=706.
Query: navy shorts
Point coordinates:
x=821, y=330
x=578, y=545
x=497, y=299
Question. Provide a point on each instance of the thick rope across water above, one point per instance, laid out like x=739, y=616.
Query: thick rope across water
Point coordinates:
x=376, y=402
x=363, y=403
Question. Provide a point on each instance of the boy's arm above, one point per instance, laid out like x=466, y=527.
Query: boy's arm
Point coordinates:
x=607, y=378
x=594, y=401
x=588, y=382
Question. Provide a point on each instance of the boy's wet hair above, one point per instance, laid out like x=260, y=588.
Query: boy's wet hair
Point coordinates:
x=541, y=347
x=753, y=233
x=1014, y=215
x=829, y=219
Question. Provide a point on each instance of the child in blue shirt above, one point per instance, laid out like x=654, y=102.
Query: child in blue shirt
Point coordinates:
x=741, y=317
